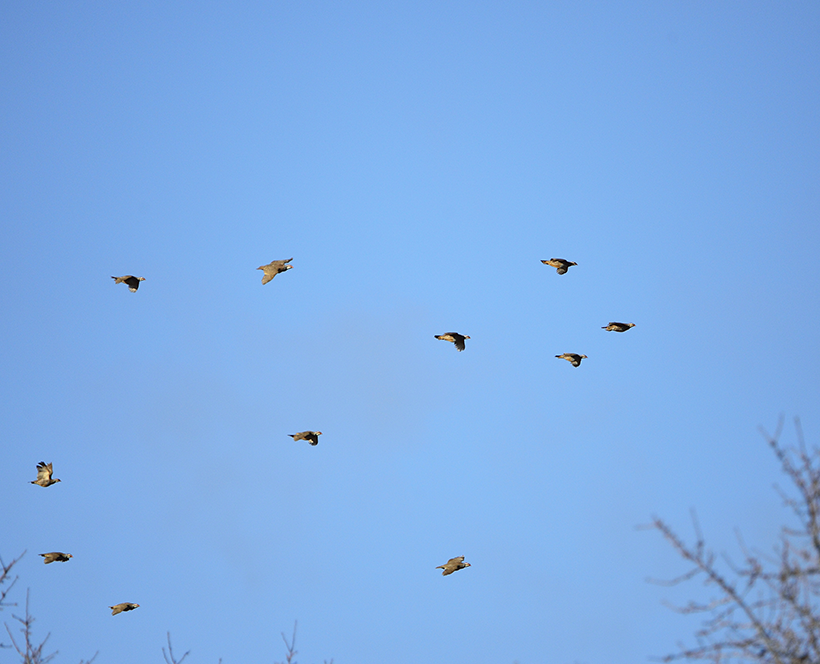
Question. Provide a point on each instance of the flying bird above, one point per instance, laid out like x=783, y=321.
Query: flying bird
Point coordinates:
x=310, y=436
x=44, y=473
x=56, y=556
x=573, y=358
x=132, y=282
x=453, y=565
x=455, y=337
x=618, y=327
x=125, y=606
x=560, y=264
x=273, y=268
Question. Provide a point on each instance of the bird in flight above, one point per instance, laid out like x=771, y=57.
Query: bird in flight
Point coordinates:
x=125, y=606
x=618, y=327
x=572, y=358
x=455, y=337
x=56, y=556
x=310, y=436
x=273, y=268
x=453, y=565
x=44, y=473
x=132, y=282
x=560, y=264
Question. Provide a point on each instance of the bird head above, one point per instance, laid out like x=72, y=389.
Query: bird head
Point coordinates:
x=584, y=356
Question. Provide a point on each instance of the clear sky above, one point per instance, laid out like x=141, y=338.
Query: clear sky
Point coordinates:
x=417, y=160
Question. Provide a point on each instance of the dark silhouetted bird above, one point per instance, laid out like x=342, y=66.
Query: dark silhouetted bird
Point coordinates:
x=273, y=268
x=573, y=358
x=453, y=565
x=618, y=327
x=44, y=473
x=132, y=282
x=56, y=556
x=560, y=264
x=310, y=436
x=125, y=606
x=455, y=337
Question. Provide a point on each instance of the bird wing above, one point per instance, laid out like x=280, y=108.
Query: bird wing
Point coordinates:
x=459, y=341
x=44, y=471
x=455, y=561
x=267, y=276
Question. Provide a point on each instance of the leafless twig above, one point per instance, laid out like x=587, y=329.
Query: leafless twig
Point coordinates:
x=169, y=656
x=6, y=580
x=767, y=608
x=28, y=651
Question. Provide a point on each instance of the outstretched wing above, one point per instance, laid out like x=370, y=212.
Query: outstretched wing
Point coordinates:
x=44, y=471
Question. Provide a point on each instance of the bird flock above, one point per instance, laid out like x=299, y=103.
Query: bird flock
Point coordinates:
x=45, y=471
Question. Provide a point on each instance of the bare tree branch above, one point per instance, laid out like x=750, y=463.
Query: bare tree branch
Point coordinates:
x=291, y=647
x=169, y=656
x=6, y=580
x=767, y=607
x=28, y=651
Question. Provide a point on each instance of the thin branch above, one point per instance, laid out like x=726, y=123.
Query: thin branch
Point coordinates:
x=31, y=653
x=169, y=656
x=767, y=607
x=291, y=647
x=5, y=578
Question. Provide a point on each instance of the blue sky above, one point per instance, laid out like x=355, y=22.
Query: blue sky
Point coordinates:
x=417, y=160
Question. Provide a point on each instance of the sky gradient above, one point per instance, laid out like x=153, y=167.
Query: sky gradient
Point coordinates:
x=417, y=160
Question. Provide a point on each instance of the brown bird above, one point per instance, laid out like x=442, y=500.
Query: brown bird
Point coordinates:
x=560, y=264
x=573, y=358
x=618, y=327
x=310, y=436
x=56, y=556
x=273, y=268
x=453, y=565
x=132, y=282
x=44, y=473
x=455, y=337
x=125, y=606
